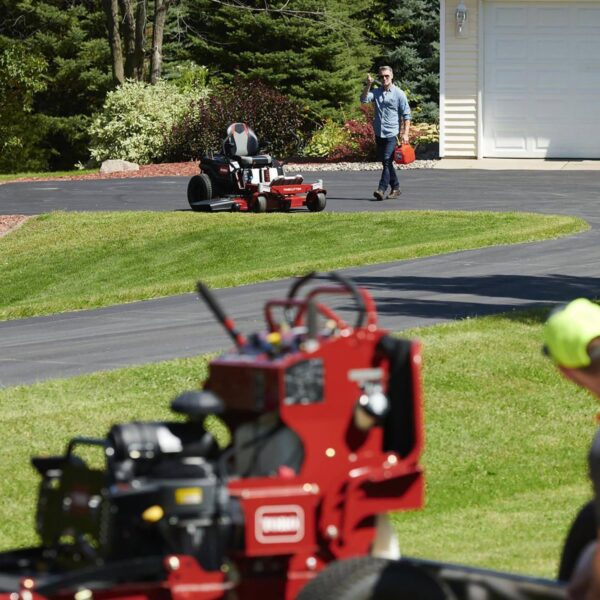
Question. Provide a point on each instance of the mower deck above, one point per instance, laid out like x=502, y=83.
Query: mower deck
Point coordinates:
x=284, y=197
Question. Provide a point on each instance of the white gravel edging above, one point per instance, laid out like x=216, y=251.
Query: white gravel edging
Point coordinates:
x=356, y=166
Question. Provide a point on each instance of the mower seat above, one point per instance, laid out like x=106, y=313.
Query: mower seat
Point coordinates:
x=241, y=144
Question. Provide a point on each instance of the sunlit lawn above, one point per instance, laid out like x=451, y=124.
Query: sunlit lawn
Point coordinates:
x=506, y=441
x=67, y=261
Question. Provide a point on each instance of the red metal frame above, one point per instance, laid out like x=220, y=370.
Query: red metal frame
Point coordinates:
x=296, y=523
x=279, y=197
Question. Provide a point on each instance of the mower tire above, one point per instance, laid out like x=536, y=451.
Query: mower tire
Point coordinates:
x=260, y=204
x=316, y=202
x=199, y=189
x=370, y=578
x=582, y=532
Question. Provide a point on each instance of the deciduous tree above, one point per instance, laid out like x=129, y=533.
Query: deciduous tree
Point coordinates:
x=69, y=36
x=126, y=23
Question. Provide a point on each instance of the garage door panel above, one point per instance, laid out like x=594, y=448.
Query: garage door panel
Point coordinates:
x=541, y=69
x=510, y=139
x=546, y=82
x=587, y=18
x=549, y=18
x=579, y=114
x=509, y=49
x=546, y=110
x=510, y=79
x=587, y=51
x=550, y=50
x=511, y=17
x=541, y=144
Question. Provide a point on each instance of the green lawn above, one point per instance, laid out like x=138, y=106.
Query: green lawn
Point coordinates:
x=505, y=456
x=69, y=261
x=45, y=176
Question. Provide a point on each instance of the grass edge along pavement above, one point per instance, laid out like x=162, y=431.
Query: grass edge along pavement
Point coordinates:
x=505, y=451
x=91, y=260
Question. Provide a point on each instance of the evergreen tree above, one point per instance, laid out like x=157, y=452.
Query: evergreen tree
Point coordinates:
x=407, y=33
x=311, y=50
x=21, y=77
x=70, y=37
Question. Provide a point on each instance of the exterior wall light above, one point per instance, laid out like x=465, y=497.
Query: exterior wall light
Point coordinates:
x=462, y=20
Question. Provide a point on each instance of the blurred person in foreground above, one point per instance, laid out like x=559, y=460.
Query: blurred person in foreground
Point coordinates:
x=572, y=340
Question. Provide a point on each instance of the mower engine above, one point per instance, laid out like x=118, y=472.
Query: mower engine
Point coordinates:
x=325, y=437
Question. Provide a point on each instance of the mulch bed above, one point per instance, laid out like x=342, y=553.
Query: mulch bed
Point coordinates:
x=10, y=223
x=160, y=170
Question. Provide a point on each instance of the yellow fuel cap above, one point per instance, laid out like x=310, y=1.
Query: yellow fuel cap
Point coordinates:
x=153, y=514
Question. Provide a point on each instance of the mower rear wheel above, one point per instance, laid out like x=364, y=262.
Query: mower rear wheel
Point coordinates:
x=582, y=533
x=260, y=204
x=199, y=189
x=370, y=578
x=317, y=202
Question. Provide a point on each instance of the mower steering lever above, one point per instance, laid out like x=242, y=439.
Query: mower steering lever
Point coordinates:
x=219, y=313
x=302, y=305
x=360, y=297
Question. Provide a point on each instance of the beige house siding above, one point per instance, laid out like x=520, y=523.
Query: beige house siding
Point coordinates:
x=459, y=83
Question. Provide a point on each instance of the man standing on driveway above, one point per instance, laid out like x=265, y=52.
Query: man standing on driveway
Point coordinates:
x=392, y=117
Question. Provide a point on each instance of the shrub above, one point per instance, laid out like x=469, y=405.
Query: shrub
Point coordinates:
x=355, y=139
x=326, y=139
x=134, y=119
x=424, y=133
x=275, y=118
x=187, y=75
x=362, y=137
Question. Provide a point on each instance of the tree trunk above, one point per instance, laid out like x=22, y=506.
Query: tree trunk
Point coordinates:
x=140, y=38
x=160, y=17
x=111, y=9
x=128, y=31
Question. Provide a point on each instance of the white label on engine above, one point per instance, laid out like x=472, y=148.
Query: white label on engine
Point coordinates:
x=362, y=375
x=279, y=524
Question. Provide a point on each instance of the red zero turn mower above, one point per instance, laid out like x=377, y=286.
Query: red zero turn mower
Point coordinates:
x=241, y=179
x=325, y=437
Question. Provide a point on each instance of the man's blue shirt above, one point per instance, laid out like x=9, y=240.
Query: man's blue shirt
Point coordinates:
x=390, y=107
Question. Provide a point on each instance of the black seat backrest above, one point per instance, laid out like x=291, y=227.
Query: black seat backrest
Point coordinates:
x=399, y=433
x=240, y=141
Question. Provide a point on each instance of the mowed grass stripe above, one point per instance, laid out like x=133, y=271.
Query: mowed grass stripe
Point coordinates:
x=69, y=261
x=506, y=441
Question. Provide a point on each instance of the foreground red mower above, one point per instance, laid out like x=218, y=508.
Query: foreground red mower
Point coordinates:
x=326, y=434
x=241, y=179
x=325, y=438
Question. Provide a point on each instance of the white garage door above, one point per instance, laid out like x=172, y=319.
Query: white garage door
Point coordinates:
x=541, y=88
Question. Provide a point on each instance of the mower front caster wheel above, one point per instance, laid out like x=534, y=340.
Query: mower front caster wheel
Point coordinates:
x=316, y=202
x=260, y=204
x=199, y=189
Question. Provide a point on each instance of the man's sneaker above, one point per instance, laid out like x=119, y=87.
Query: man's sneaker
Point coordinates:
x=394, y=194
x=378, y=194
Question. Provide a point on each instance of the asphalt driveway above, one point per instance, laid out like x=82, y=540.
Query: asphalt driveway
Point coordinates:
x=407, y=293
x=543, y=191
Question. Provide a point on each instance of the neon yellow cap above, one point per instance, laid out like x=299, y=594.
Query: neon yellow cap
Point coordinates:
x=568, y=332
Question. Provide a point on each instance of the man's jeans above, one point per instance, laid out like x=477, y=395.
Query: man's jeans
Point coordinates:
x=385, y=153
